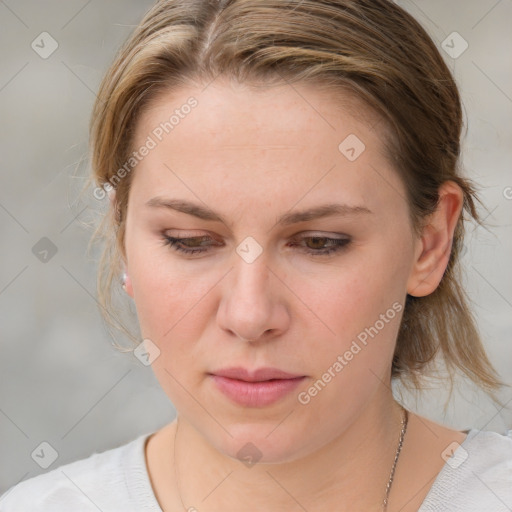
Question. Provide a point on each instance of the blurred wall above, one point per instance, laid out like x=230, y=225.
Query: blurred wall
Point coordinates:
x=61, y=381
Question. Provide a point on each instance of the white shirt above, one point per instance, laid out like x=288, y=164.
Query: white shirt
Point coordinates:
x=476, y=478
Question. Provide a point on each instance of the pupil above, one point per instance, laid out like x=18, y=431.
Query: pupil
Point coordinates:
x=317, y=241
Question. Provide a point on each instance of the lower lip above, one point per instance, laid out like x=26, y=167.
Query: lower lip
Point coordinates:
x=256, y=394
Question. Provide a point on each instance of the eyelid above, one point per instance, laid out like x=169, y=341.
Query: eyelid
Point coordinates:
x=216, y=242
x=339, y=244
x=190, y=233
x=178, y=233
x=321, y=234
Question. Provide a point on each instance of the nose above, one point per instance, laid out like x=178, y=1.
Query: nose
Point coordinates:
x=253, y=304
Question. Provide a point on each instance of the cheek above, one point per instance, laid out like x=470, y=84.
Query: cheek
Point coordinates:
x=353, y=296
x=168, y=305
x=358, y=312
x=167, y=294
x=172, y=310
x=349, y=367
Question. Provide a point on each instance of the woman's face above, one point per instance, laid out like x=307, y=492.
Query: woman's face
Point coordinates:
x=320, y=296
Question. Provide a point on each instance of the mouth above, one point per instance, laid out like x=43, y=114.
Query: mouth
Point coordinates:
x=258, y=388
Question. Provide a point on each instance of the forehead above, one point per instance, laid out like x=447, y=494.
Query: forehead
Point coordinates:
x=262, y=141
x=246, y=113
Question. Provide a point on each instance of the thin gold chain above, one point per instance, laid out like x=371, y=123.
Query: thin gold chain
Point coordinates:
x=405, y=420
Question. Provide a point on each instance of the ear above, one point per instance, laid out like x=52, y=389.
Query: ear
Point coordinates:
x=433, y=248
x=127, y=283
x=127, y=286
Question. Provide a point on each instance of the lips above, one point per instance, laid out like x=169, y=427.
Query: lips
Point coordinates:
x=256, y=388
x=259, y=375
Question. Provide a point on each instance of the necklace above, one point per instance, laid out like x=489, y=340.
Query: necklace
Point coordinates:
x=405, y=420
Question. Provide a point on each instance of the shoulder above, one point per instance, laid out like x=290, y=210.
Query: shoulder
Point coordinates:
x=111, y=480
x=476, y=476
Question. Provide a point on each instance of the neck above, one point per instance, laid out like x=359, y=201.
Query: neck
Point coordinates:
x=350, y=473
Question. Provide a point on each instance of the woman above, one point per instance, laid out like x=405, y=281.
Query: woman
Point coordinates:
x=287, y=214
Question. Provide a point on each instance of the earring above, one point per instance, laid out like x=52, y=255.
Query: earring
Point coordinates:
x=123, y=280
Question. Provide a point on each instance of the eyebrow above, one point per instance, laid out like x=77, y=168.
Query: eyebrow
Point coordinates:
x=205, y=213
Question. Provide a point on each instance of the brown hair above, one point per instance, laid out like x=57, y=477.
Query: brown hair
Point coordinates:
x=372, y=48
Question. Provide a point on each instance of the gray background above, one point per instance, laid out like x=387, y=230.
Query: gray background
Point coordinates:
x=61, y=381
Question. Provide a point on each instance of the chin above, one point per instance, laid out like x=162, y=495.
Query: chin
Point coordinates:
x=255, y=443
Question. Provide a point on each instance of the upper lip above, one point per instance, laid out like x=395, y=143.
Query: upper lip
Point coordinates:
x=259, y=375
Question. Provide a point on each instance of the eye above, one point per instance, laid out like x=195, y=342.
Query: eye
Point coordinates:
x=191, y=245
x=313, y=245
x=319, y=245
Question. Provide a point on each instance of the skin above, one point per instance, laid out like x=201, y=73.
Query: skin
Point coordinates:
x=252, y=155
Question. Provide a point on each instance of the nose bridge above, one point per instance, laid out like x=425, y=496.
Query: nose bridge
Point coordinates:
x=251, y=280
x=250, y=305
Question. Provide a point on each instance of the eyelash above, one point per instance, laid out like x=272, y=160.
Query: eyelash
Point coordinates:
x=339, y=244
